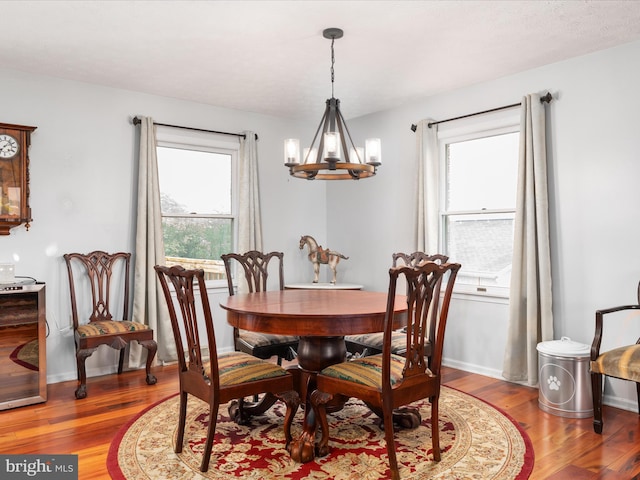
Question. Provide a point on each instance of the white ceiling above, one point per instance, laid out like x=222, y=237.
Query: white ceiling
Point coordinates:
x=270, y=57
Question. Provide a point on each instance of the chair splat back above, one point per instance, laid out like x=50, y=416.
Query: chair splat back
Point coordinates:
x=187, y=284
x=371, y=343
x=100, y=269
x=416, y=258
x=255, y=265
x=412, y=260
x=423, y=315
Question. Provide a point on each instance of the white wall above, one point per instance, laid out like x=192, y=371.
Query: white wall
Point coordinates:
x=83, y=181
x=594, y=167
x=83, y=162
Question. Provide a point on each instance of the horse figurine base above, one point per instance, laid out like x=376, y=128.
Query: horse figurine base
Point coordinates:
x=320, y=256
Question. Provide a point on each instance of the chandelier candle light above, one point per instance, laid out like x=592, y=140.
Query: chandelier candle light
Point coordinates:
x=338, y=160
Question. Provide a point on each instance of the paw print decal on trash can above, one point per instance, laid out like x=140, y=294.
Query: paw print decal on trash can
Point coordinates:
x=554, y=383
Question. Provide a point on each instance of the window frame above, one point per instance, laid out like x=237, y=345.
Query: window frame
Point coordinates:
x=472, y=129
x=210, y=143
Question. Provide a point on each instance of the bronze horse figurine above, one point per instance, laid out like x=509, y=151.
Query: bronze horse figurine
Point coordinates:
x=320, y=256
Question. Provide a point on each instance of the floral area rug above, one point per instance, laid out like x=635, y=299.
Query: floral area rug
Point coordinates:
x=26, y=355
x=477, y=440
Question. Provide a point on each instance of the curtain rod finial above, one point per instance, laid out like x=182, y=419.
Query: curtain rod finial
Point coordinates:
x=414, y=127
x=547, y=98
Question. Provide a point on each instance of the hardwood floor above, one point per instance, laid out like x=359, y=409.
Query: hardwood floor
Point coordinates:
x=564, y=448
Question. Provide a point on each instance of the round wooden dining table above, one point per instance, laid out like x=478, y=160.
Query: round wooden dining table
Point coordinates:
x=321, y=318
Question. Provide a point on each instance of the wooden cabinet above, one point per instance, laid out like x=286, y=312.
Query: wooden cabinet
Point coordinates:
x=23, y=349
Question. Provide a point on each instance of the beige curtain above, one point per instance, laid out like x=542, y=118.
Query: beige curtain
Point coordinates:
x=530, y=316
x=428, y=191
x=148, y=302
x=249, y=221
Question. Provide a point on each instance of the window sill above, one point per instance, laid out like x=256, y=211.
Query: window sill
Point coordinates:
x=482, y=294
x=217, y=286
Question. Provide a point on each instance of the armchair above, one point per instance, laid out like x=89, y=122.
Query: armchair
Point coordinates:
x=621, y=362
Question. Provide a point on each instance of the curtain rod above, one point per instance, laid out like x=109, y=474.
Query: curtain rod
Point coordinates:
x=137, y=121
x=547, y=98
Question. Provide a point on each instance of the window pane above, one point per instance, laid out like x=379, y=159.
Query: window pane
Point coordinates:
x=481, y=173
x=194, y=181
x=198, y=238
x=483, y=244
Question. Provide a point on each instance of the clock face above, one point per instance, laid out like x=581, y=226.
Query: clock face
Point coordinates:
x=8, y=146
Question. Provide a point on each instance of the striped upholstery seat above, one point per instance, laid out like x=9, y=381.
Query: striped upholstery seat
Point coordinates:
x=236, y=367
x=373, y=342
x=257, y=339
x=622, y=362
x=108, y=327
x=367, y=370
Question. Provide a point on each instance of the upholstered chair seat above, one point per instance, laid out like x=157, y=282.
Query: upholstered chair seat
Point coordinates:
x=236, y=368
x=373, y=343
x=620, y=362
x=257, y=341
x=109, y=327
x=366, y=370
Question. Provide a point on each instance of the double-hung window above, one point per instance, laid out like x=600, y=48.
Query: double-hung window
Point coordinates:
x=198, y=197
x=477, y=206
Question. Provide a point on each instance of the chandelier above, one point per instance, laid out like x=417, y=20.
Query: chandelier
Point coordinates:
x=339, y=158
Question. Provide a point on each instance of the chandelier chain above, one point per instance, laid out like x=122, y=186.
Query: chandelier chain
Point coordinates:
x=333, y=61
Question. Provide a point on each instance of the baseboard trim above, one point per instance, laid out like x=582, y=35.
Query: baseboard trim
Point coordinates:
x=609, y=400
x=471, y=368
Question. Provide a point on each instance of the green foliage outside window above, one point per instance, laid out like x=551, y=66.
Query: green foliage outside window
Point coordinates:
x=200, y=238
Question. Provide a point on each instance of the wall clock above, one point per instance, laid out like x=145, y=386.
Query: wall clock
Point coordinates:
x=8, y=146
x=14, y=176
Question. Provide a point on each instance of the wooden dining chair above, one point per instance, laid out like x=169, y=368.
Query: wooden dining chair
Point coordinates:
x=388, y=381
x=223, y=378
x=622, y=362
x=371, y=343
x=255, y=265
x=99, y=288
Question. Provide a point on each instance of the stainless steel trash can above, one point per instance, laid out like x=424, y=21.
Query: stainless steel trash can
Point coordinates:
x=564, y=379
